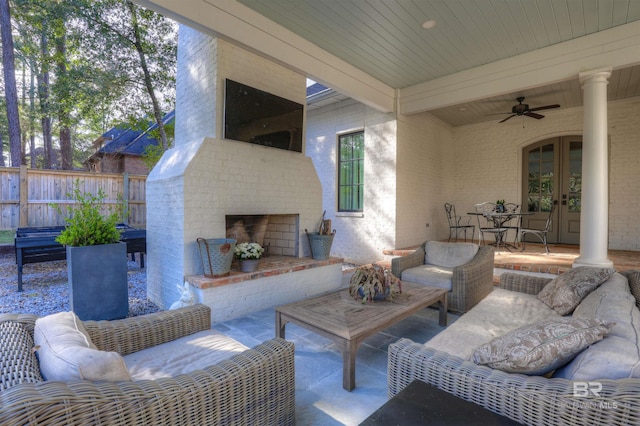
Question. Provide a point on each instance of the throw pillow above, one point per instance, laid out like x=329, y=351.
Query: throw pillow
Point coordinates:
x=65, y=352
x=19, y=363
x=538, y=348
x=634, y=284
x=566, y=291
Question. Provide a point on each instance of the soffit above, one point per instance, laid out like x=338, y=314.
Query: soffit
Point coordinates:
x=385, y=39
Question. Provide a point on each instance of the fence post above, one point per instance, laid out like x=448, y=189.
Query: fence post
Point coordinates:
x=24, y=197
x=125, y=197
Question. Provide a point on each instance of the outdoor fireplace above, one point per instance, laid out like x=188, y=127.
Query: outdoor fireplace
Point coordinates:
x=205, y=178
x=277, y=233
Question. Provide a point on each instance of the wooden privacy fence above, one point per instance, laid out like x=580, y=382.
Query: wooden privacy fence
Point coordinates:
x=27, y=195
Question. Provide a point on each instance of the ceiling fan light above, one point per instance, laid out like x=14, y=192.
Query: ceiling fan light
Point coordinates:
x=427, y=25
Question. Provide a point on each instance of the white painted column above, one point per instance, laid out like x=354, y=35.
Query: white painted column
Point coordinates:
x=594, y=216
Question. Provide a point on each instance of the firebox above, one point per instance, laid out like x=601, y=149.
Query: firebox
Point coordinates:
x=277, y=233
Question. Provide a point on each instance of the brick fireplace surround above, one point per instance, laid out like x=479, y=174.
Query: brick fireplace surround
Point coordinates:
x=205, y=178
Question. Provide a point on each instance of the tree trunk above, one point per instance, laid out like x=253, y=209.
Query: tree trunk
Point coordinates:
x=32, y=120
x=147, y=76
x=63, y=113
x=43, y=95
x=11, y=93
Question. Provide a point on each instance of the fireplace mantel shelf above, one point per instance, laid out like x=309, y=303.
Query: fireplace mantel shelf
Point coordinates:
x=269, y=266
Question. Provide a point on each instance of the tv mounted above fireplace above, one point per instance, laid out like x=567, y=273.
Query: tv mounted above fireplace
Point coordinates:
x=255, y=116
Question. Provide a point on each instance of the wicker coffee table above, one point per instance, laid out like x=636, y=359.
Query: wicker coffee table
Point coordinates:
x=348, y=322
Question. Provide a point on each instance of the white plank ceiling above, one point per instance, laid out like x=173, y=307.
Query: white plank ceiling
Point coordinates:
x=385, y=39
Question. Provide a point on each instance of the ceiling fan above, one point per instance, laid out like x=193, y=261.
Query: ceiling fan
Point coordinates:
x=523, y=109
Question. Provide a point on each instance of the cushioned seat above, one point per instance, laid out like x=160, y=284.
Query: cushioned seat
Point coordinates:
x=464, y=269
x=431, y=275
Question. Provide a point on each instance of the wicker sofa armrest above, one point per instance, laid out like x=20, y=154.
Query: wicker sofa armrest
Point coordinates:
x=133, y=334
x=399, y=264
x=529, y=284
x=254, y=387
x=531, y=400
x=472, y=281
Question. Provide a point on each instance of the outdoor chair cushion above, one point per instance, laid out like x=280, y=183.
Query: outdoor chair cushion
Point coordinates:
x=449, y=255
x=431, y=275
x=182, y=355
x=66, y=352
x=19, y=363
x=565, y=292
x=540, y=347
x=617, y=356
x=499, y=313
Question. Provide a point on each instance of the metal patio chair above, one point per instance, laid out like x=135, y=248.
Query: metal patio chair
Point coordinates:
x=540, y=233
x=458, y=223
x=485, y=212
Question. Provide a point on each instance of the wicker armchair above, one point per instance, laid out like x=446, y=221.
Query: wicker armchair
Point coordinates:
x=254, y=387
x=531, y=400
x=470, y=282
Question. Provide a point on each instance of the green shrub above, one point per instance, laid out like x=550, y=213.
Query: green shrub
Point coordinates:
x=86, y=225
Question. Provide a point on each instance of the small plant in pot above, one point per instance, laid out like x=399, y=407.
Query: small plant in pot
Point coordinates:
x=96, y=259
x=248, y=255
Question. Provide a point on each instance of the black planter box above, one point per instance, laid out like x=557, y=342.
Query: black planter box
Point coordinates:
x=98, y=288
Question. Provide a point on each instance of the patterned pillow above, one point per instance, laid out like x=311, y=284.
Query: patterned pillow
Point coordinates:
x=566, y=291
x=634, y=284
x=538, y=348
x=19, y=362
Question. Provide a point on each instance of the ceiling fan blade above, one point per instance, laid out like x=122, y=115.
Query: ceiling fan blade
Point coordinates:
x=508, y=118
x=545, y=107
x=498, y=113
x=533, y=115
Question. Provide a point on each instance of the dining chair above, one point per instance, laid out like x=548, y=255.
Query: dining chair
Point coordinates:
x=458, y=223
x=540, y=233
x=515, y=222
x=485, y=213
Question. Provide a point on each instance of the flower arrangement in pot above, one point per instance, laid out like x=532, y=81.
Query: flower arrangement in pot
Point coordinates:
x=500, y=206
x=248, y=255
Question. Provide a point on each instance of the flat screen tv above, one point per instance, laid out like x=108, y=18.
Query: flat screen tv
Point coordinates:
x=255, y=116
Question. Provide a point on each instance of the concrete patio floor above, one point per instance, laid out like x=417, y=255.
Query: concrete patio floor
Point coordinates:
x=320, y=398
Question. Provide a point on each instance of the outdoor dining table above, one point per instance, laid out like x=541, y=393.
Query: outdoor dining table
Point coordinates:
x=499, y=220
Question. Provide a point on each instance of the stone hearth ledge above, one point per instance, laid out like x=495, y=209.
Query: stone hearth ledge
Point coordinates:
x=268, y=267
x=279, y=280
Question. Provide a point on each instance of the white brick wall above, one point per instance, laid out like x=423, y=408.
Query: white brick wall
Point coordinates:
x=359, y=237
x=435, y=164
x=488, y=162
x=204, y=178
x=196, y=86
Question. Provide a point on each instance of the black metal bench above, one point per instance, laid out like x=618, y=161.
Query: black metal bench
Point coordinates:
x=38, y=244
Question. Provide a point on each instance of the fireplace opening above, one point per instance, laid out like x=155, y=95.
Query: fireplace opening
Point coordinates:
x=277, y=233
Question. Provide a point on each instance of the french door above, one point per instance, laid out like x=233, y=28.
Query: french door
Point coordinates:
x=552, y=175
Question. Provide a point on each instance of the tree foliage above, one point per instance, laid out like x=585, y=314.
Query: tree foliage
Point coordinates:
x=87, y=66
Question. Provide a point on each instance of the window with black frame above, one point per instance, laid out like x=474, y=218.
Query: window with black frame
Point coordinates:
x=351, y=172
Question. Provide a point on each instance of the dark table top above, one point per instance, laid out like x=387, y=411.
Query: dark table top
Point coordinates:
x=423, y=404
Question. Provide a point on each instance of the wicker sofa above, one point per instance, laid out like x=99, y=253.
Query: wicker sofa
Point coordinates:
x=528, y=399
x=253, y=387
x=468, y=283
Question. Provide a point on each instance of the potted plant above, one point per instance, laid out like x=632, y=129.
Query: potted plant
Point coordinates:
x=96, y=259
x=248, y=255
x=500, y=206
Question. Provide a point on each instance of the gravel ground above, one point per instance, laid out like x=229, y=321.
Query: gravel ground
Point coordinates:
x=45, y=289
